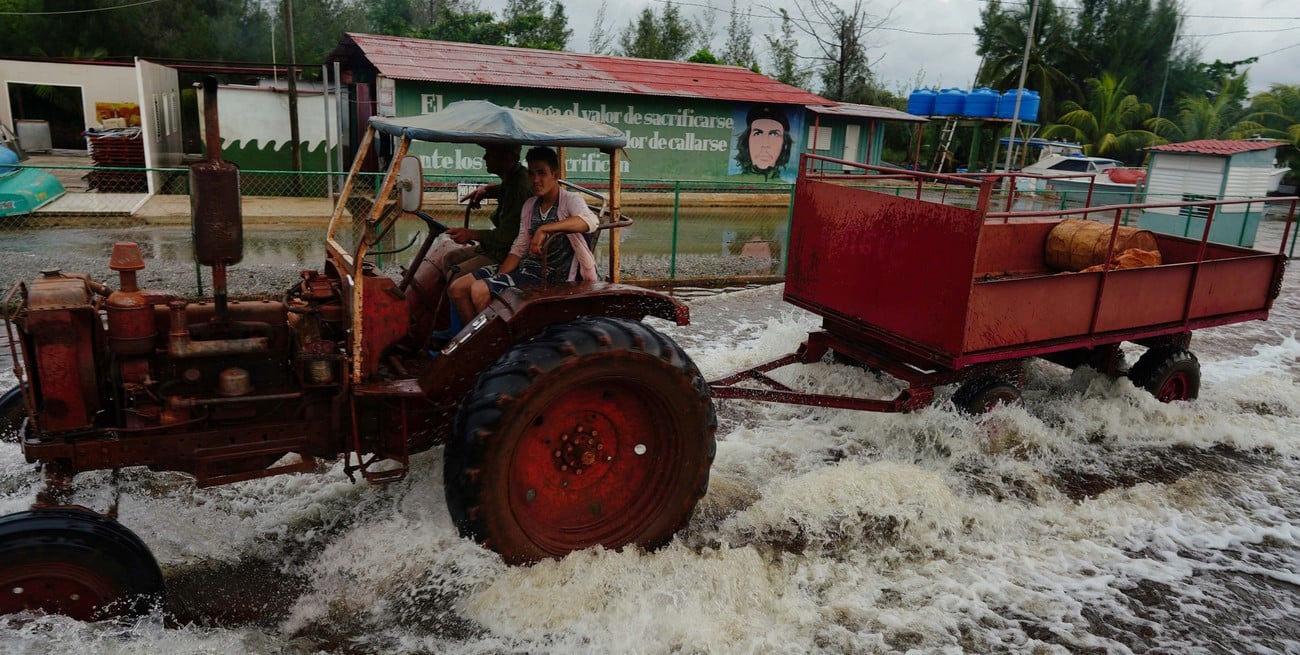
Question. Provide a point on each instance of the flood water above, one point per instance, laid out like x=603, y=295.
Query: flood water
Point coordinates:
x=1087, y=519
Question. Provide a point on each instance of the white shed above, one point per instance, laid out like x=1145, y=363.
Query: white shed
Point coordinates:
x=1210, y=169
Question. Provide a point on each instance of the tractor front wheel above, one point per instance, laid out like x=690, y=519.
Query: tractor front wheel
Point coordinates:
x=595, y=432
x=76, y=563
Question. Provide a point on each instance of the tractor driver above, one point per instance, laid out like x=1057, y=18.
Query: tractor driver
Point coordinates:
x=551, y=210
x=454, y=256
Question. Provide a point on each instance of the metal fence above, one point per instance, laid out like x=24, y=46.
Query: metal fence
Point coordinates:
x=686, y=233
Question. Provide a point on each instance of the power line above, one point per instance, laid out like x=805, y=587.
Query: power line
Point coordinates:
x=773, y=15
x=76, y=11
x=776, y=16
x=1021, y=3
x=885, y=28
x=1281, y=29
x=1273, y=52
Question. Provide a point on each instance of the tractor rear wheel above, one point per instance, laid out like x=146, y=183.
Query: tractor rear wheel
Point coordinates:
x=76, y=563
x=1169, y=373
x=596, y=432
x=12, y=413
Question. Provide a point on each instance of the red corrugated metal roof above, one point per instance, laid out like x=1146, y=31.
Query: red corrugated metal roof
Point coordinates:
x=471, y=63
x=1216, y=146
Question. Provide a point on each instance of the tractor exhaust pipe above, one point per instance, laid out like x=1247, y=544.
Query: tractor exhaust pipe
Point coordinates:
x=216, y=205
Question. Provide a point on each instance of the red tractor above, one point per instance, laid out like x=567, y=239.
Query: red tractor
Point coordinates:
x=567, y=422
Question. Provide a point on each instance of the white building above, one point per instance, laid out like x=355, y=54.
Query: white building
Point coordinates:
x=1210, y=169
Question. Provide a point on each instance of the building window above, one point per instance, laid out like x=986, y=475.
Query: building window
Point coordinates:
x=166, y=116
x=176, y=112
x=1195, y=212
x=156, y=119
x=819, y=138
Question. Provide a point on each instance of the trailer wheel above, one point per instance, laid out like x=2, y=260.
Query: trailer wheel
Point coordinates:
x=76, y=563
x=981, y=394
x=1169, y=373
x=12, y=413
x=596, y=432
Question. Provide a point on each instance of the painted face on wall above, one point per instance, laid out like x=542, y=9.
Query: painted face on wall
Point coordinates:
x=766, y=138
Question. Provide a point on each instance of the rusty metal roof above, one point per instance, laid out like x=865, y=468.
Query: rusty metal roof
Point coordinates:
x=1216, y=146
x=472, y=63
x=850, y=110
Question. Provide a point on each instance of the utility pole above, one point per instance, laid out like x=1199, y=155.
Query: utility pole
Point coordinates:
x=1160, y=106
x=1020, y=91
x=295, y=148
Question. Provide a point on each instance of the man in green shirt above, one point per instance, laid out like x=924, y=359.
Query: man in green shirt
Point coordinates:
x=493, y=244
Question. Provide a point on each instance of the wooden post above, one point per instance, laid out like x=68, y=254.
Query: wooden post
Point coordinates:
x=615, y=213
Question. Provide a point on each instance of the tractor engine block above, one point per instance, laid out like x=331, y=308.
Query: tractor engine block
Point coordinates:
x=144, y=359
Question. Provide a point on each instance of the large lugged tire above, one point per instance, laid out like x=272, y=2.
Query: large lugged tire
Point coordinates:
x=76, y=563
x=595, y=432
x=981, y=394
x=12, y=413
x=1169, y=373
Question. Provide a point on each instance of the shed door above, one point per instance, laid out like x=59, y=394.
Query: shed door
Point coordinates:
x=850, y=144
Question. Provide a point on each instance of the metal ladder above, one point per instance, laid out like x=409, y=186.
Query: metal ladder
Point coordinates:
x=943, y=149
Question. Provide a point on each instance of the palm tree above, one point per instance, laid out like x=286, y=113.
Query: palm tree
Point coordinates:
x=1001, y=44
x=1111, y=126
x=1218, y=115
x=1276, y=114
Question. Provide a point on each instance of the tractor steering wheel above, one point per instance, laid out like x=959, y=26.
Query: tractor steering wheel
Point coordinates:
x=436, y=227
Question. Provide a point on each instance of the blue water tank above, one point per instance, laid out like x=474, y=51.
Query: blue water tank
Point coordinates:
x=950, y=102
x=1028, y=105
x=1007, y=104
x=7, y=159
x=921, y=102
x=981, y=103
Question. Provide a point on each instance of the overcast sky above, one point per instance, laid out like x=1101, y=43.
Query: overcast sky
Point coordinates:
x=934, y=40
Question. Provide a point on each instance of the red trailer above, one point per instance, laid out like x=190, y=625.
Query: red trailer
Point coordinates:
x=918, y=278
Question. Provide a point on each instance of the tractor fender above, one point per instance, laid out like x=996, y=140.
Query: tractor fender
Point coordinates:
x=517, y=315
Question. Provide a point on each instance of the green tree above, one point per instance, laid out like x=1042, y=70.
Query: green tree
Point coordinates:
x=392, y=17
x=663, y=35
x=319, y=26
x=1112, y=125
x=528, y=25
x=839, y=38
x=1193, y=78
x=785, y=55
x=703, y=56
x=464, y=27
x=1275, y=114
x=221, y=30
x=601, y=40
x=739, y=50
x=1213, y=115
x=1001, y=42
x=1131, y=39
